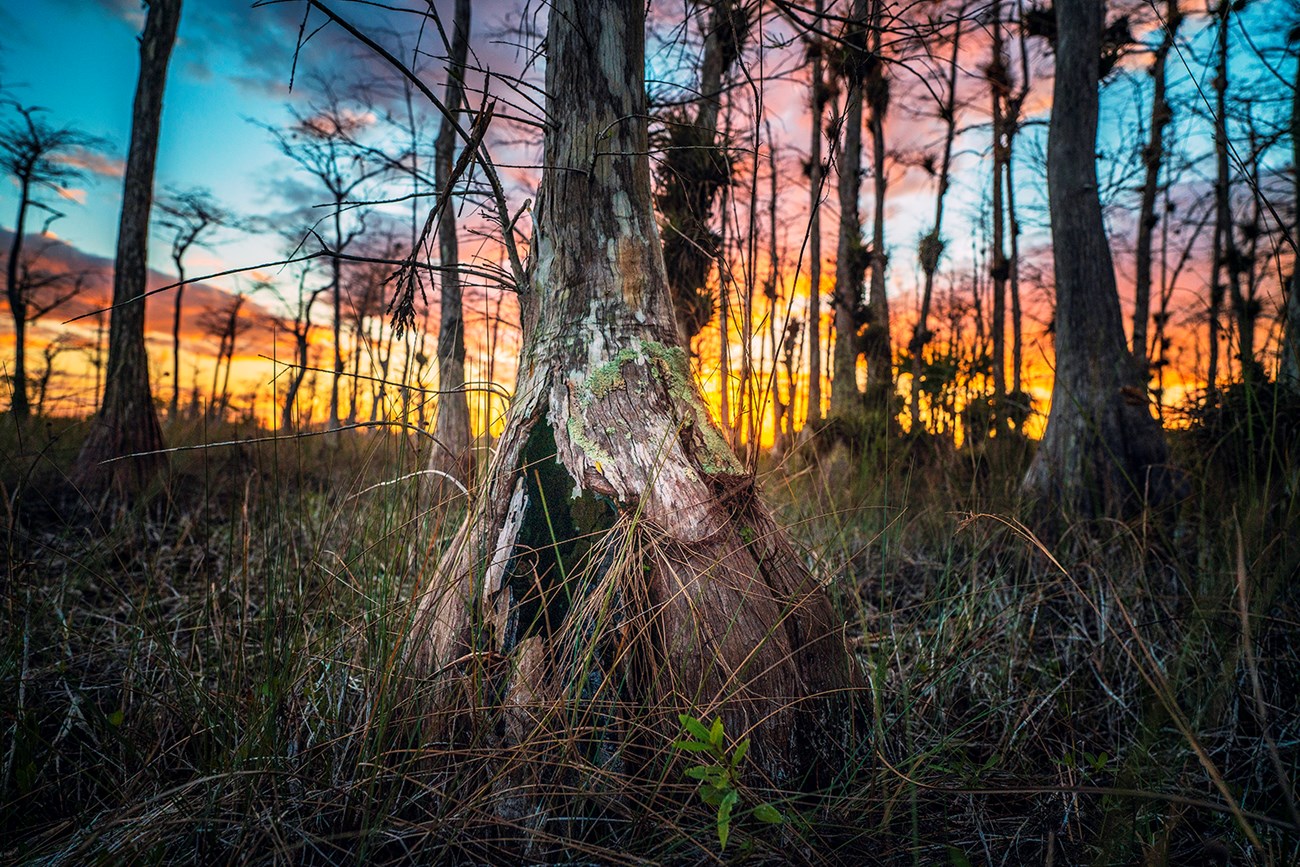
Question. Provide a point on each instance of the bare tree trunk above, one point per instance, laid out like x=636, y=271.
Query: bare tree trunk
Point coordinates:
x=336, y=284
x=1014, y=108
x=630, y=567
x=1289, y=369
x=1224, y=246
x=724, y=323
x=878, y=347
x=850, y=256
x=820, y=94
x=16, y=296
x=931, y=246
x=775, y=396
x=1013, y=289
x=1153, y=160
x=999, y=86
x=1102, y=452
x=128, y=423
x=451, y=449
x=174, y=408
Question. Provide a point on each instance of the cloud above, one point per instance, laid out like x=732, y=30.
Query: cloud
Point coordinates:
x=97, y=275
x=72, y=194
x=94, y=162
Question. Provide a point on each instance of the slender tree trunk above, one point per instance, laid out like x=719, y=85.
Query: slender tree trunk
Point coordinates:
x=775, y=396
x=1013, y=285
x=931, y=247
x=288, y=415
x=1153, y=160
x=850, y=256
x=128, y=422
x=878, y=347
x=724, y=322
x=1102, y=452
x=174, y=408
x=1224, y=258
x=611, y=481
x=1015, y=107
x=336, y=286
x=16, y=295
x=820, y=94
x=1289, y=370
x=998, y=267
x=451, y=449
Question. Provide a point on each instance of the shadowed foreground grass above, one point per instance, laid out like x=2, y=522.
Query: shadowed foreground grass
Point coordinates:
x=218, y=677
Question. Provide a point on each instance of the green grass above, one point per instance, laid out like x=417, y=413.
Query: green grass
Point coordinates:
x=217, y=677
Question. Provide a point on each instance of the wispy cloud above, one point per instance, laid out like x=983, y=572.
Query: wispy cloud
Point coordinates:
x=94, y=162
x=72, y=194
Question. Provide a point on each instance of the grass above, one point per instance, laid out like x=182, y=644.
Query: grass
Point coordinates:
x=218, y=677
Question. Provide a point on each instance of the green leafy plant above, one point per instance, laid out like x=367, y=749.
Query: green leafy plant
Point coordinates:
x=719, y=772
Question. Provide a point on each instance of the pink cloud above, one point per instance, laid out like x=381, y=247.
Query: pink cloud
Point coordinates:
x=94, y=162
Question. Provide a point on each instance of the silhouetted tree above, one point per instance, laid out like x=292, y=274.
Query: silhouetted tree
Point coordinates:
x=322, y=141
x=187, y=215
x=33, y=152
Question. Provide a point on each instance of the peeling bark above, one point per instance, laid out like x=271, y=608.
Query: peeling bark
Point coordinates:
x=616, y=534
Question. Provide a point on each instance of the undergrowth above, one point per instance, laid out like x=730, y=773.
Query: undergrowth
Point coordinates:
x=218, y=676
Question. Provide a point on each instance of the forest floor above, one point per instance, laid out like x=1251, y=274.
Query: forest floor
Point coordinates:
x=214, y=676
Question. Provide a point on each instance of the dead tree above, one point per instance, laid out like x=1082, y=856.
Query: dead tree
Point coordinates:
x=322, y=142
x=188, y=215
x=451, y=450
x=1153, y=154
x=32, y=152
x=618, y=558
x=932, y=244
x=127, y=424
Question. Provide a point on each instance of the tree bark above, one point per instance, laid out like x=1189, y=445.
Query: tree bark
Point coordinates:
x=451, y=449
x=850, y=262
x=1102, y=452
x=127, y=424
x=619, y=555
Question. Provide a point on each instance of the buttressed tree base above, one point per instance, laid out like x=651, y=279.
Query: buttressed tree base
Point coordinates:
x=617, y=562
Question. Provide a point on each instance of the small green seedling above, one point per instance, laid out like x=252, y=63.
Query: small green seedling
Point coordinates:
x=719, y=775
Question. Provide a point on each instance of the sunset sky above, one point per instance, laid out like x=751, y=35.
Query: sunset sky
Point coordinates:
x=229, y=79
